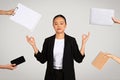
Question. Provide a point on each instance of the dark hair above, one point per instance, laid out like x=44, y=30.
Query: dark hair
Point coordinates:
x=61, y=17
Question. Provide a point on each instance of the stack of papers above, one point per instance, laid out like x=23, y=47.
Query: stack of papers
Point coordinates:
x=26, y=17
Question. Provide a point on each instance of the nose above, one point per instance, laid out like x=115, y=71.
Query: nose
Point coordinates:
x=58, y=25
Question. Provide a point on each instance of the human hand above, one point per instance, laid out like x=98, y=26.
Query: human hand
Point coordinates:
x=85, y=37
x=30, y=40
x=115, y=20
x=10, y=12
x=108, y=55
x=10, y=66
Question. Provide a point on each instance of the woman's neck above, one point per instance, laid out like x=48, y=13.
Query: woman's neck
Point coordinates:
x=60, y=35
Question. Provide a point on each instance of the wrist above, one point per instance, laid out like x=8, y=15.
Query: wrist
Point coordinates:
x=35, y=49
x=3, y=66
x=33, y=45
x=6, y=12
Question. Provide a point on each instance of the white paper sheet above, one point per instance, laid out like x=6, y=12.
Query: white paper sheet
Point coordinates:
x=26, y=17
x=101, y=16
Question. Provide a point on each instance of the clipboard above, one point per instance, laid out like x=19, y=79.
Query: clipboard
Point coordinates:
x=25, y=17
x=100, y=60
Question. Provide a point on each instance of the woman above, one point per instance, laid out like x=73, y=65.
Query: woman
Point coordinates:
x=59, y=51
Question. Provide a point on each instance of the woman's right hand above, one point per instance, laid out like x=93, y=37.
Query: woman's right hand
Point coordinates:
x=30, y=40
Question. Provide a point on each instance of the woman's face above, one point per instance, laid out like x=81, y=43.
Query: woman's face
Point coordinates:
x=59, y=25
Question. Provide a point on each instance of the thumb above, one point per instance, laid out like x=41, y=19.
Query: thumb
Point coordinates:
x=14, y=65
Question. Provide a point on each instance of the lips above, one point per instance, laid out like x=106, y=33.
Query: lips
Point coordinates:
x=59, y=29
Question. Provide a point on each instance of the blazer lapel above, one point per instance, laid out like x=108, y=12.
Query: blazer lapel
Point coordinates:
x=65, y=49
x=52, y=41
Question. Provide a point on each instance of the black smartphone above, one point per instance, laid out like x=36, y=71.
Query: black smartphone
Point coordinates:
x=18, y=60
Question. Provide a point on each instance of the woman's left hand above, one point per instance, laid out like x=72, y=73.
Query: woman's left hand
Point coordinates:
x=85, y=37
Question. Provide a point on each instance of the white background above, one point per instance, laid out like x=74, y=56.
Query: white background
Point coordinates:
x=103, y=38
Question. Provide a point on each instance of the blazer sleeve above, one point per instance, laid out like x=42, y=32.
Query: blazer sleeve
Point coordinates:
x=42, y=56
x=78, y=57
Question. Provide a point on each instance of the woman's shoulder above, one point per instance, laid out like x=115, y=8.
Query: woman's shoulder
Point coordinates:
x=50, y=37
x=66, y=37
x=69, y=37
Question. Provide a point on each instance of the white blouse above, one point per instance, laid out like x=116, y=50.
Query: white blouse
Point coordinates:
x=58, y=53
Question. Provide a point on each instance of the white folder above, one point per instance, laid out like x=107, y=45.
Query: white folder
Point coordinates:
x=26, y=17
x=100, y=16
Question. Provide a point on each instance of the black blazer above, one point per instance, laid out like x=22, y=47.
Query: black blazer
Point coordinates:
x=71, y=53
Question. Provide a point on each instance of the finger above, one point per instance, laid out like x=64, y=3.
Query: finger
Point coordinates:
x=14, y=65
x=32, y=38
x=27, y=38
x=84, y=36
x=88, y=34
x=113, y=18
x=13, y=10
x=12, y=68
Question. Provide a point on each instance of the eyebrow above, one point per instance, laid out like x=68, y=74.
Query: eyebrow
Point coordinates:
x=60, y=21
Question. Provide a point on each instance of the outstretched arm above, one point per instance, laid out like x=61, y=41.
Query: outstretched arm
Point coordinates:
x=117, y=59
x=7, y=12
x=8, y=66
